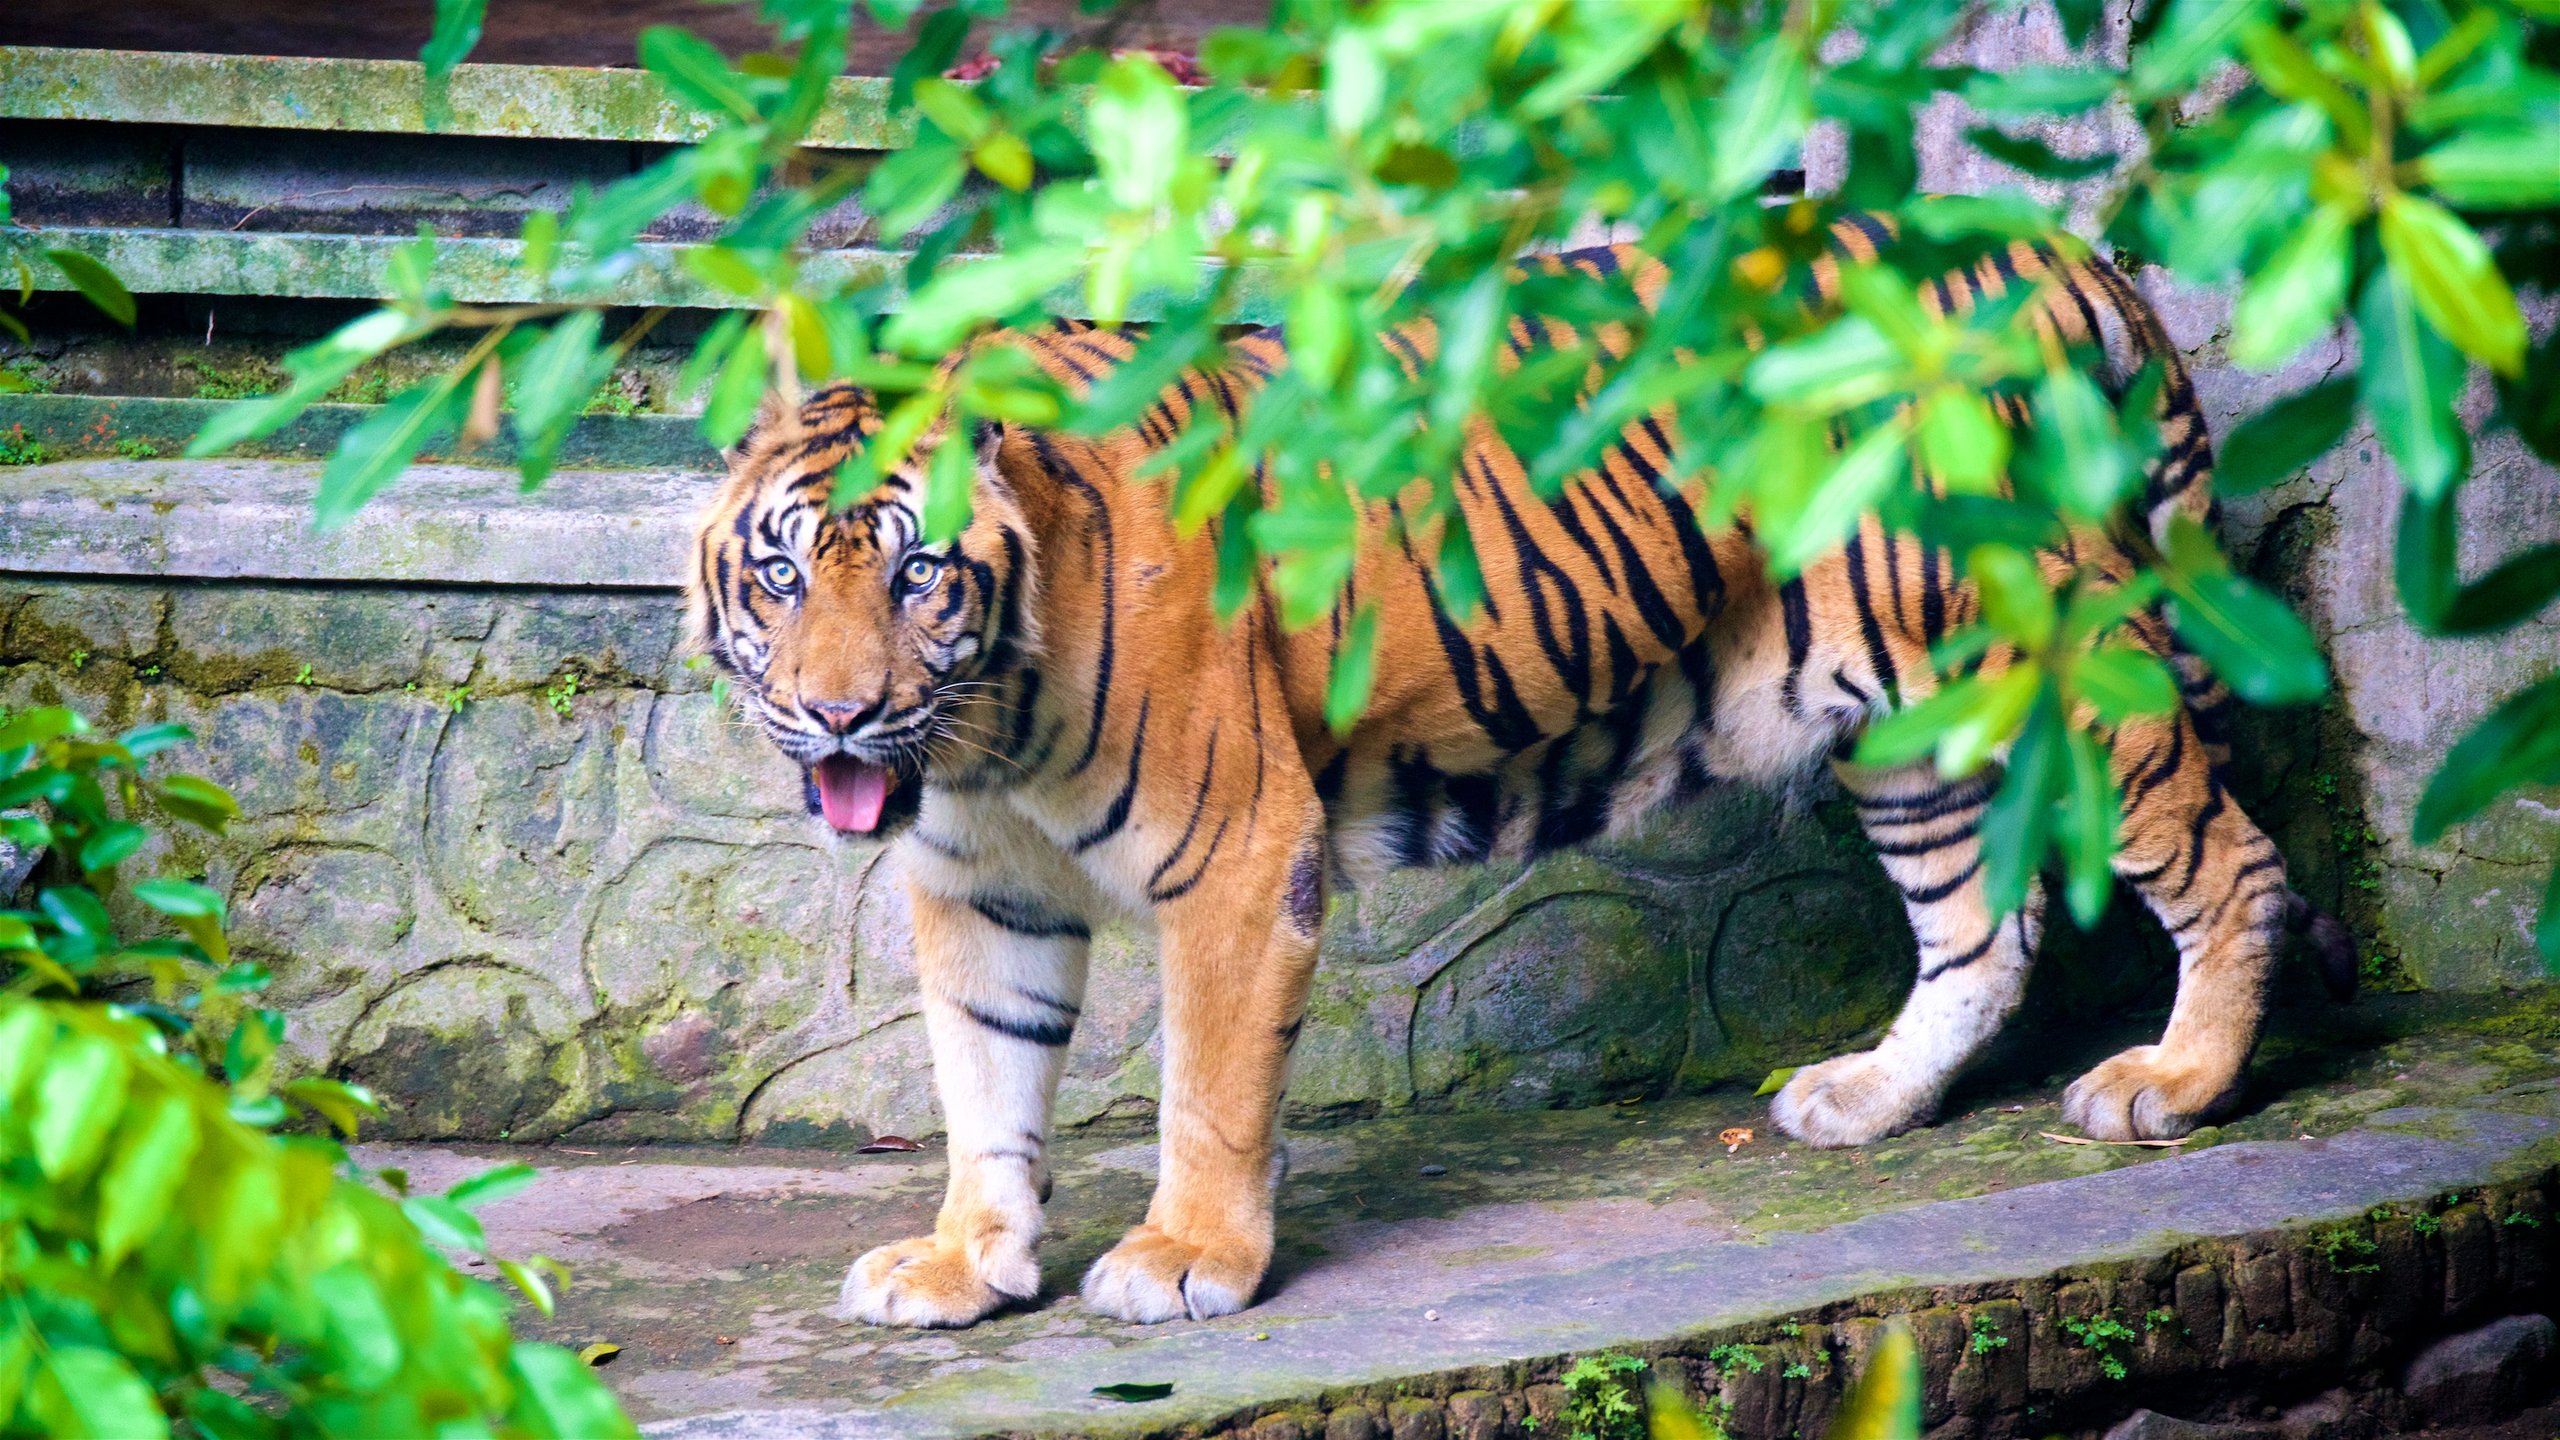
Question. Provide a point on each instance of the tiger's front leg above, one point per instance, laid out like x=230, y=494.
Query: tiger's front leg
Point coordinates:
x=1002, y=969
x=1239, y=955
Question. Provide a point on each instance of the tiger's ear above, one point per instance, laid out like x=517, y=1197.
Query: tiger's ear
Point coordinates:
x=775, y=419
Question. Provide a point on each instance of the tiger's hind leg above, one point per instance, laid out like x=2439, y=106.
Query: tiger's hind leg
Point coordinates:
x=1973, y=967
x=2217, y=884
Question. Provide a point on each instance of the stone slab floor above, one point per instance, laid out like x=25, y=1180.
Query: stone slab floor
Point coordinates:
x=1482, y=1245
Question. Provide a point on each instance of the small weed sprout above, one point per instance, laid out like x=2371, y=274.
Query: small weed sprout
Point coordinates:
x=1791, y=1330
x=1600, y=1398
x=455, y=698
x=562, y=694
x=1797, y=1370
x=79, y=660
x=2346, y=1251
x=1986, y=1336
x=1730, y=1356
x=137, y=450
x=17, y=449
x=2518, y=1217
x=303, y=675
x=2102, y=1334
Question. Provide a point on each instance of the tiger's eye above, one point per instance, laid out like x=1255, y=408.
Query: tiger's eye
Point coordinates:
x=921, y=571
x=781, y=574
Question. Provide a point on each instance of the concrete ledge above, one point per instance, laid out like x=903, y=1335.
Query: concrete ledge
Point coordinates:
x=437, y=524
x=96, y=425
x=391, y=96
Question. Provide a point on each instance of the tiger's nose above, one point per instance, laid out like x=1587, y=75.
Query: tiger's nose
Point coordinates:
x=843, y=717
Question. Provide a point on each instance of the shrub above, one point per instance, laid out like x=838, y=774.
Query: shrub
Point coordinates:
x=170, y=1253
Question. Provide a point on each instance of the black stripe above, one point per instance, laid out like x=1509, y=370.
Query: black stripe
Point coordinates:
x=1118, y=814
x=1049, y=1034
x=1024, y=916
x=1932, y=894
x=1799, y=623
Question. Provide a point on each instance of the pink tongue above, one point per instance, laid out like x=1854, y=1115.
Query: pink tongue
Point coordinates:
x=851, y=793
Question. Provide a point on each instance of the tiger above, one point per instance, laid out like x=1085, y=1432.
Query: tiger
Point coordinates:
x=1051, y=726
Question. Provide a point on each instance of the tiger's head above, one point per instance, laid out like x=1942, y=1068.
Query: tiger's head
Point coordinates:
x=851, y=641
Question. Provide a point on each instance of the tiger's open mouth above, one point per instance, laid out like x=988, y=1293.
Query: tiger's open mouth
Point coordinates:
x=852, y=793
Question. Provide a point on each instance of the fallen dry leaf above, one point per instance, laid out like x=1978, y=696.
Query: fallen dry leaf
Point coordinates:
x=723, y=1340
x=2085, y=1140
x=888, y=1144
x=599, y=1353
x=1737, y=1137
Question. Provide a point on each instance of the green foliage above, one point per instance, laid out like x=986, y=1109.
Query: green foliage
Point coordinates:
x=2385, y=164
x=1733, y=1356
x=1600, y=1398
x=562, y=695
x=171, y=1259
x=2102, y=1334
x=17, y=449
x=2347, y=1250
x=1986, y=1336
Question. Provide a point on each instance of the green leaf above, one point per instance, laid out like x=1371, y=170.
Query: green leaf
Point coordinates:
x=2036, y=158
x=1962, y=442
x=695, y=73
x=537, y=1293
x=558, y=1396
x=957, y=111
x=2454, y=280
x=1594, y=58
x=444, y=1223
x=2409, y=380
x=1776, y=1081
x=373, y=453
x=1133, y=1392
x=457, y=31
x=2086, y=463
x=2515, y=745
x=2258, y=646
x=135, y=1193
x=365, y=1340
x=97, y=282
x=2015, y=598
x=950, y=490
x=553, y=381
x=2295, y=297
x=2280, y=441
x=1853, y=486
x=2516, y=590
x=177, y=897
x=1139, y=130
x=2505, y=169
x=1355, y=672
x=1884, y=1402
x=82, y=1391
x=737, y=394
x=110, y=845
x=1761, y=116
x=1320, y=322
x=2121, y=682
x=35, y=727
x=197, y=801
x=144, y=741
x=79, y=1098
x=2088, y=831
x=2040, y=90
x=2018, y=823
x=342, y=1104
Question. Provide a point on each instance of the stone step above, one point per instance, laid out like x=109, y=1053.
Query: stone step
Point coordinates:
x=1437, y=1275
x=437, y=524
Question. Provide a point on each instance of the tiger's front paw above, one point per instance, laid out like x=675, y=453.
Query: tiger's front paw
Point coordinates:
x=2145, y=1094
x=1151, y=1276
x=1850, y=1100
x=928, y=1282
